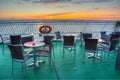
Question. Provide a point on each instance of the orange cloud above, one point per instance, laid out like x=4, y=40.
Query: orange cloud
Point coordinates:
x=101, y=14
x=81, y=15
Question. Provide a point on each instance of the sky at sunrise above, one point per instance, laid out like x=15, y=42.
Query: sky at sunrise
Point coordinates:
x=60, y=9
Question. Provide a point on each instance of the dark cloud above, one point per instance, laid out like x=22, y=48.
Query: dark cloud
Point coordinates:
x=26, y=0
x=90, y=0
x=19, y=2
x=57, y=1
x=36, y=1
x=96, y=8
x=60, y=6
x=47, y=1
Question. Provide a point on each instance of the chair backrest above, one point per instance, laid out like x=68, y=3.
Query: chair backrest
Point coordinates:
x=114, y=36
x=68, y=40
x=117, y=33
x=113, y=44
x=106, y=37
x=15, y=39
x=58, y=35
x=103, y=33
x=26, y=39
x=91, y=44
x=81, y=36
x=87, y=35
x=16, y=51
x=48, y=40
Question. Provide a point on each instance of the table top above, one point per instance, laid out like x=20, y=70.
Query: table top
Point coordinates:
x=34, y=44
x=101, y=40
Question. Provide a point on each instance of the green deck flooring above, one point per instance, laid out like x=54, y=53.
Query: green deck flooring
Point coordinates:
x=67, y=68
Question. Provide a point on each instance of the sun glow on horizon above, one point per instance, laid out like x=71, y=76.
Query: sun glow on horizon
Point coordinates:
x=92, y=10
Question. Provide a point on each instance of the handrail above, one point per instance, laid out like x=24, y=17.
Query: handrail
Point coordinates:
x=64, y=26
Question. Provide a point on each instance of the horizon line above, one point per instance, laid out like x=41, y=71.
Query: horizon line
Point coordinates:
x=54, y=19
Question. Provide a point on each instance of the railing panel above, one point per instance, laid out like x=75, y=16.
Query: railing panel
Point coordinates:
x=65, y=27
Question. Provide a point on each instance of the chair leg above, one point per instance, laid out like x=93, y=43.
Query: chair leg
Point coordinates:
x=3, y=47
x=108, y=58
x=104, y=55
x=74, y=57
x=74, y=52
x=94, y=57
x=25, y=67
x=101, y=57
x=63, y=52
x=49, y=59
x=22, y=66
x=53, y=53
x=83, y=56
x=12, y=67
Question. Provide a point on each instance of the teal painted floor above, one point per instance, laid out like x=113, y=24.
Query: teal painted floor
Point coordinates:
x=67, y=68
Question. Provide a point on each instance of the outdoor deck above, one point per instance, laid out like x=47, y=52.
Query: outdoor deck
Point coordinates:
x=67, y=68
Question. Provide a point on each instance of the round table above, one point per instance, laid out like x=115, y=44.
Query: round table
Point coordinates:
x=34, y=45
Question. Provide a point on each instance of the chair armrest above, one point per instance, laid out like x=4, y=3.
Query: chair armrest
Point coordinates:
x=28, y=51
x=43, y=49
